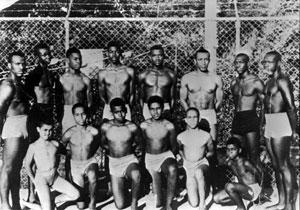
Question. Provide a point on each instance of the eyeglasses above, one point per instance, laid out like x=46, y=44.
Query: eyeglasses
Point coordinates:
x=266, y=62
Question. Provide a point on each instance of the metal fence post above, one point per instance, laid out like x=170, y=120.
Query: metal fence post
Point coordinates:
x=67, y=30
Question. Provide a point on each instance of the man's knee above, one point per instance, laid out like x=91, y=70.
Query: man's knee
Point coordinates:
x=120, y=204
x=75, y=195
x=7, y=168
x=216, y=198
x=92, y=176
x=229, y=187
x=136, y=176
x=172, y=170
x=199, y=174
x=194, y=203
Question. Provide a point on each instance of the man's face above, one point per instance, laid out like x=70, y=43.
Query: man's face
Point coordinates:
x=232, y=151
x=17, y=65
x=80, y=116
x=75, y=61
x=192, y=119
x=114, y=54
x=44, y=56
x=202, y=61
x=270, y=64
x=119, y=113
x=157, y=57
x=241, y=64
x=155, y=110
x=45, y=131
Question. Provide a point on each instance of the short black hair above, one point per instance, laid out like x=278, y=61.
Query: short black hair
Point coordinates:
x=156, y=99
x=41, y=45
x=44, y=120
x=193, y=109
x=117, y=102
x=276, y=54
x=157, y=47
x=245, y=55
x=15, y=53
x=235, y=141
x=75, y=106
x=201, y=50
x=72, y=50
x=114, y=44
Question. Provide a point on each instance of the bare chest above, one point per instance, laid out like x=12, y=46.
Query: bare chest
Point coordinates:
x=160, y=79
x=156, y=131
x=82, y=139
x=74, y=83
x=117, y=78
x=197, y=84
x=119, y=134
x=243, y=88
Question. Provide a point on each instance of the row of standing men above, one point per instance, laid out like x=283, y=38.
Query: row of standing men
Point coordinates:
x=201, y=89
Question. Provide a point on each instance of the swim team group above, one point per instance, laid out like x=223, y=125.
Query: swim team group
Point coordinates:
x=27, y=121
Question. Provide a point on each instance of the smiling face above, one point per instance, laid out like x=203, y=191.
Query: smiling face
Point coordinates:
x=155, y=110
x=75, y=61
x=80, y=116
x=45, y=131
x=202, y=60
x=241, y=64
x=17, y=65
x=192, y=119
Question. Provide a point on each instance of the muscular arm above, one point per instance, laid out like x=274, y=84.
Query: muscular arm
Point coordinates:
x=286, y=88
x=173, y=142
x=260, y=92
x=28, y=162
x=173, y=90
x=180, y=148
x=89, y=97
x=6, y=95
x=131, y=87
x=141, y=89
x=210, y=148
x=103, y=140
x=219, y=93
x=184, y=93
x=101, y=86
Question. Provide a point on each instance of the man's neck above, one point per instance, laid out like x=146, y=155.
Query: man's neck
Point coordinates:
x=74, y=71
x=114, y=65
x=244, y=75
x=202, y=71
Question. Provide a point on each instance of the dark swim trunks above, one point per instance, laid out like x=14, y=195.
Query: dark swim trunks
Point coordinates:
x=245, y=122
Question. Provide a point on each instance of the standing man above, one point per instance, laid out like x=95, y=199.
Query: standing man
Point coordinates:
x=280, y=129
x=122, y=139
x=247, y=89
x=161, y=147
x=82, y=141
x=40, y=84
x=116, y=80
x=76, y=86
x=203, y=90
x=14, y=107
x=157, y=80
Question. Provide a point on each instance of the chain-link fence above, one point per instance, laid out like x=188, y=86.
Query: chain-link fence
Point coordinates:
x=180, y=38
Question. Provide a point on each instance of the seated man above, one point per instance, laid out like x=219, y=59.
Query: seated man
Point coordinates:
x=44, y=154
x=121, y=138
x=248, y=187
x=195, y=145
x=160, y=149
x=82, y=141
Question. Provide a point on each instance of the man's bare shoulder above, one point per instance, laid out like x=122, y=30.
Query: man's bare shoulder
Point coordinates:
x=169, y=71
x=283, y=79
x=145, y=124
x=92, y=130
x=106, y=126
x=131, y=126
x=6, y=85
x=102, y=72
x=189, y=75
x=168, y=124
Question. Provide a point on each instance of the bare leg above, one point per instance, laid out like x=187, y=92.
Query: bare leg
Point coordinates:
x=69, y=192
x=30, y=205
x=200, y=174
x=92, y=175
x=117, y=184
x=192, y=191
x=169, y=168
x=237, y=192
x=156, y=179
x=134, y=174
x=252, y=146
x=14, y=151
x=278, y=177
x=223, y=198
x=281, y=151
x=31, y=196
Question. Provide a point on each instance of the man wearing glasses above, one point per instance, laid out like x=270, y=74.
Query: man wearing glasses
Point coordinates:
x=247, y=90
x=280, y=128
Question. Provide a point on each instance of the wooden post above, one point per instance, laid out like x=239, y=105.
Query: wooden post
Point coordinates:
x=211, y=31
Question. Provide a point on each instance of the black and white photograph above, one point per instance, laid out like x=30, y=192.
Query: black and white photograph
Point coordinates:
x=149, y=104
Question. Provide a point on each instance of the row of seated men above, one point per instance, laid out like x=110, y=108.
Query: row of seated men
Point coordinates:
x=201, y=90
